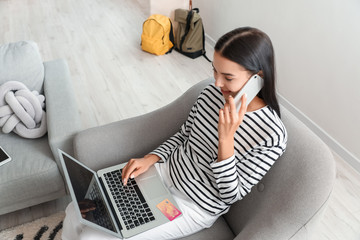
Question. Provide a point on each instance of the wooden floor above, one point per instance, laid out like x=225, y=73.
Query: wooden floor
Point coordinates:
x=114, y=79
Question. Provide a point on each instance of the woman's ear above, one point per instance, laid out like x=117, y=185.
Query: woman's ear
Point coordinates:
x=261, y=74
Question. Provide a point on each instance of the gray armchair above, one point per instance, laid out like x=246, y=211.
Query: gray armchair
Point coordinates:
x=286, y=204
x=34, y=174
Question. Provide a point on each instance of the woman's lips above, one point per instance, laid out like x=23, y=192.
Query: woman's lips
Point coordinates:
x=225, y=92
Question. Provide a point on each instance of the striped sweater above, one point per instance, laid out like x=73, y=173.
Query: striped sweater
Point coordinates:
x=192, y=153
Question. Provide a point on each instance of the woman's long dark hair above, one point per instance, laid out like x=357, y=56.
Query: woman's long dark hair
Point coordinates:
x=252, y=49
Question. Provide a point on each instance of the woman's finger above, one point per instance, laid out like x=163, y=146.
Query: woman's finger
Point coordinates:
x=128, y=170
x=221, y=116
x=226, y=113
x=243, y=106
x=232, y=108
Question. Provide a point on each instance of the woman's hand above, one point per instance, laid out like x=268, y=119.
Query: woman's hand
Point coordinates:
x=229, y=122
x=137, y=166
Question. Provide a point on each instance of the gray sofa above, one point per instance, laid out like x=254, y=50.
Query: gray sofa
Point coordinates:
x=286, y=204
x=34, y=176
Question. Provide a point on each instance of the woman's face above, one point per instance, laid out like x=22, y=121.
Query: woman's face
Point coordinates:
x=229, y=76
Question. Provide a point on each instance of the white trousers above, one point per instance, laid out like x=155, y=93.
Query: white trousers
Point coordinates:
x=193, y=219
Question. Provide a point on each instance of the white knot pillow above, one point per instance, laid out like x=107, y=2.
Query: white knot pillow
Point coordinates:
x=21, y=110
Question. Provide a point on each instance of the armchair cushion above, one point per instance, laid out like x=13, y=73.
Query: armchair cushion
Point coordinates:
x=21, y=61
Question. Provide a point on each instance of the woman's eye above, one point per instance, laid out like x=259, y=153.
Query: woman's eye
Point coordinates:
x=228, y=79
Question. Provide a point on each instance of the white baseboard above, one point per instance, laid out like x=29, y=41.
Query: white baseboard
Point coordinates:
x=210, y=40
x=330, y=141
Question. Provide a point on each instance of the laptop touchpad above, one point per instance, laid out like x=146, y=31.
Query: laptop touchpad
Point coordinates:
x=151, y=185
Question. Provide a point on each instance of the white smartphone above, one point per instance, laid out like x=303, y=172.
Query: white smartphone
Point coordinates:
x=4, y=157
x=252, y=87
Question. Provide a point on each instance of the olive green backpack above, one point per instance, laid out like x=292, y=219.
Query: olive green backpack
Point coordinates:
x=190, y=36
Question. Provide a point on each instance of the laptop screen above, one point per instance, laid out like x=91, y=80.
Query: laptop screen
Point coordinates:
x=88, y=194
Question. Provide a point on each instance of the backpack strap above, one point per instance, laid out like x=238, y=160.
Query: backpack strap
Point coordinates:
x=203, y=33
x=204, y=54
x=171, y=37
x=187, y=28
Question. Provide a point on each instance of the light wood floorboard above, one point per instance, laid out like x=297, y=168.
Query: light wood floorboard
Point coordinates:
x=114, y=79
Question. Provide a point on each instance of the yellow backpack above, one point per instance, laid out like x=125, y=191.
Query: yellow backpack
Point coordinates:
x=157, y=36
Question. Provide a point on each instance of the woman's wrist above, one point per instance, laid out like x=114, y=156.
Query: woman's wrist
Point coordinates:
x=152, y=157
x=225, y=149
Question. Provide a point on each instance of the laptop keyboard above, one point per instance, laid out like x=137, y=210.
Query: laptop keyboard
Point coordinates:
x=129, y=200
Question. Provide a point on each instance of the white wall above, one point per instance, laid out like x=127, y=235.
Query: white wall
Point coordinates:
x=317, y=47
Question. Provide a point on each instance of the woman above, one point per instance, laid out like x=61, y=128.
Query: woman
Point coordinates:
x=219, y=154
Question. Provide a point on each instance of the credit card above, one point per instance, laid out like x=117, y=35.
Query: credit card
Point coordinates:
x=168, y=209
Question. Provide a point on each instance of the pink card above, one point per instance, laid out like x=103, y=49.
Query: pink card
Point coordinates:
x=168, y=209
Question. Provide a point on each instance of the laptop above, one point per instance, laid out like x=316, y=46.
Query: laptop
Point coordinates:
x=122, y=211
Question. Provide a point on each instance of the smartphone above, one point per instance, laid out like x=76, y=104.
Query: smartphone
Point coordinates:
x=4, y=157
x=252, y=87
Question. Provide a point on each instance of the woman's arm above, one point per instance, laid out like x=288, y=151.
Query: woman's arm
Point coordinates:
x=224, y=168
x=137, y=166
x=229, y=122
x=236, y=175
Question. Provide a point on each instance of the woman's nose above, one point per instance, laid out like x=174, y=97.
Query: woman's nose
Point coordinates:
x=218, y=82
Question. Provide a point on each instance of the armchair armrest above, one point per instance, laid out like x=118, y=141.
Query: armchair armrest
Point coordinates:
x=63, y=119
x=120, y=141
